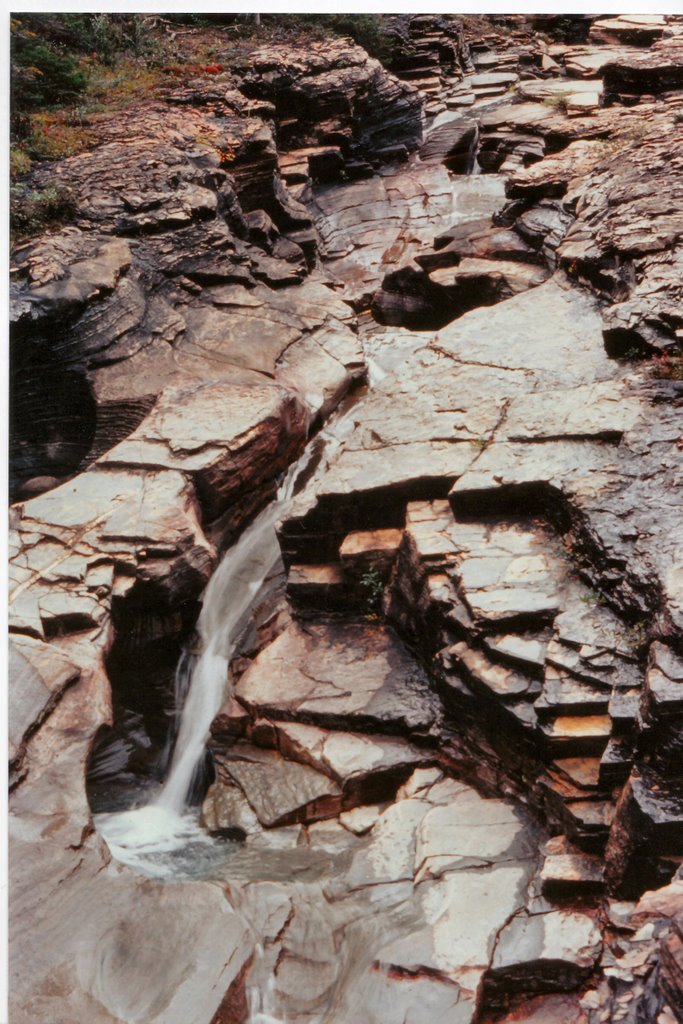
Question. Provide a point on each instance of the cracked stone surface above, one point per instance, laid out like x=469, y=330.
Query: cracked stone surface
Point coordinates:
x=333, y=674
x=558, y=946
x=511, y=475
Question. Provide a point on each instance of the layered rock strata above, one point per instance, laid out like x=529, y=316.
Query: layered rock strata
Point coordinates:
x=503, y=502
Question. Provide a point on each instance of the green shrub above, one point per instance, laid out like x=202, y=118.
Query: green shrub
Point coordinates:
x=372, y=587
x=34, y=210
x=569, y=29
x=19, y=162
x=40, y=75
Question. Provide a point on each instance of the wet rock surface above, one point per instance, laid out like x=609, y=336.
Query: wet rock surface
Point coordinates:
x=448, y=768
x=339, y=674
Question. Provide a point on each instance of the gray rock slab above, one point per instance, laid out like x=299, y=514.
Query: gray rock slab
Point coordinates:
x=554, y=950
x=464, y=913
x=345, y=675
x=469, y=831
x=280, y=792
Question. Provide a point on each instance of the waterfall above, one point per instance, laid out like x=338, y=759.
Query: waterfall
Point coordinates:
x=226, y=603
x=227, y=600
x=149, y=838
x=473, y=167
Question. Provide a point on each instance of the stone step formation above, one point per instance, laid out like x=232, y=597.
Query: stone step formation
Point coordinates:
x=504, y=613
x=449, y=765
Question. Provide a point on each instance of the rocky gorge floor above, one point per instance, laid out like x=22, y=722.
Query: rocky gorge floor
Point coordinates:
x=446, y=779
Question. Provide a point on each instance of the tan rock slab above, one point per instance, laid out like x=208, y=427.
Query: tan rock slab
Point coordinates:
x=571, y=873
x=573, y=735
x=341, y=675
x=364, y=549
x=280, y=792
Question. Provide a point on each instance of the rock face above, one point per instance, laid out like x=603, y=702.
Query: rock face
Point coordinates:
x=448, y=762
x=631, y=251
x=335, y=91
x=215, y=232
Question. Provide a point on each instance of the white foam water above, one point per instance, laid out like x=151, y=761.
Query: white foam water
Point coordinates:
x=147, y=837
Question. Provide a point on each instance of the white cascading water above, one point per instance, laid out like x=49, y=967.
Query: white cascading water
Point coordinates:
x=163, y=826
x=227, y=599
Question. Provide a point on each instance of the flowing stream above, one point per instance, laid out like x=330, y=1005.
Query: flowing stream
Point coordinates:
x=163, y=838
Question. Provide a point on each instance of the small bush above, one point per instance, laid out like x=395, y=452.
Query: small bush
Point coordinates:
x=558, y=100
x=34, y=210
x=373, y=589
x=19, y=162
x=41, y=76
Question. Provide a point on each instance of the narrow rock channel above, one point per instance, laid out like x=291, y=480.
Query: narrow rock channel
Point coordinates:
x=347, y=636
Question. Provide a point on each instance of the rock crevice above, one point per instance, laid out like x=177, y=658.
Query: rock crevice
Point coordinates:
x=462, y=690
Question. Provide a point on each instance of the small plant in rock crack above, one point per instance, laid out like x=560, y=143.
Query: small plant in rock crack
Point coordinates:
x=632, y=353
x=372, y=587
x=481, y=443
x=558, y=100
x=634, y=636
x=593, y=599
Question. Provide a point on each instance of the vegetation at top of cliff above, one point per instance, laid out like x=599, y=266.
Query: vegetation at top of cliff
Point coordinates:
x=54, y=65
x=60, y=70
x=368, y=30
x=68, y=68
x=365, y=29
x=47, y=53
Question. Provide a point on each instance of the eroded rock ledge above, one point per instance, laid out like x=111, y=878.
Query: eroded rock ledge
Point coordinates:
x=505, y=505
